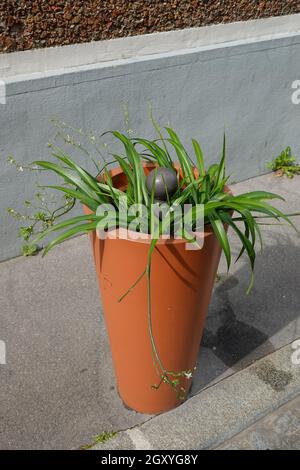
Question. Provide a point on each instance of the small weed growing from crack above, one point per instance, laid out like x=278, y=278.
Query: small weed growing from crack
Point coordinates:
x=100, y=439
x=285, y=164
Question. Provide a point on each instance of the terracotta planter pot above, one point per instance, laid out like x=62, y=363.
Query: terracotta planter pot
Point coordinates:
x=182, y=282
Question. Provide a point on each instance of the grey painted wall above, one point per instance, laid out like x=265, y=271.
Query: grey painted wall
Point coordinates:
x=244, y=87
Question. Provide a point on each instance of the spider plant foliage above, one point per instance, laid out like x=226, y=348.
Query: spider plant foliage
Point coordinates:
x=196, y=185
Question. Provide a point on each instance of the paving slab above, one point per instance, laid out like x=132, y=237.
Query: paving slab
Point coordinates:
x=279, y=430
x=57, y=387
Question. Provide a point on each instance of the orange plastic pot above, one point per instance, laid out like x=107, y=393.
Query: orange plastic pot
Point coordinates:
x=181, y=286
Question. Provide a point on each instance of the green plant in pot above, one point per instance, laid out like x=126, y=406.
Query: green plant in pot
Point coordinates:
x=155, y=290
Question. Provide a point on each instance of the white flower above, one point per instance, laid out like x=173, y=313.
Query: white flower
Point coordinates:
x=188, y=375
x=21, y=168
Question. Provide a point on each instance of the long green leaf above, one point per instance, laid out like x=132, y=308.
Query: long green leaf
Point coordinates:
x=221, y=169
x=199, y=157
x=246, y=244
x=221, y=235
x=70, y=177
x=83, y=174
x=84, y=228
x=157, y=152
x=259, y=195
x=66, y=223
x=89, y=202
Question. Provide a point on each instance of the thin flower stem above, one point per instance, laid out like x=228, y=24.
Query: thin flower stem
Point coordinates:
x=133, y=285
